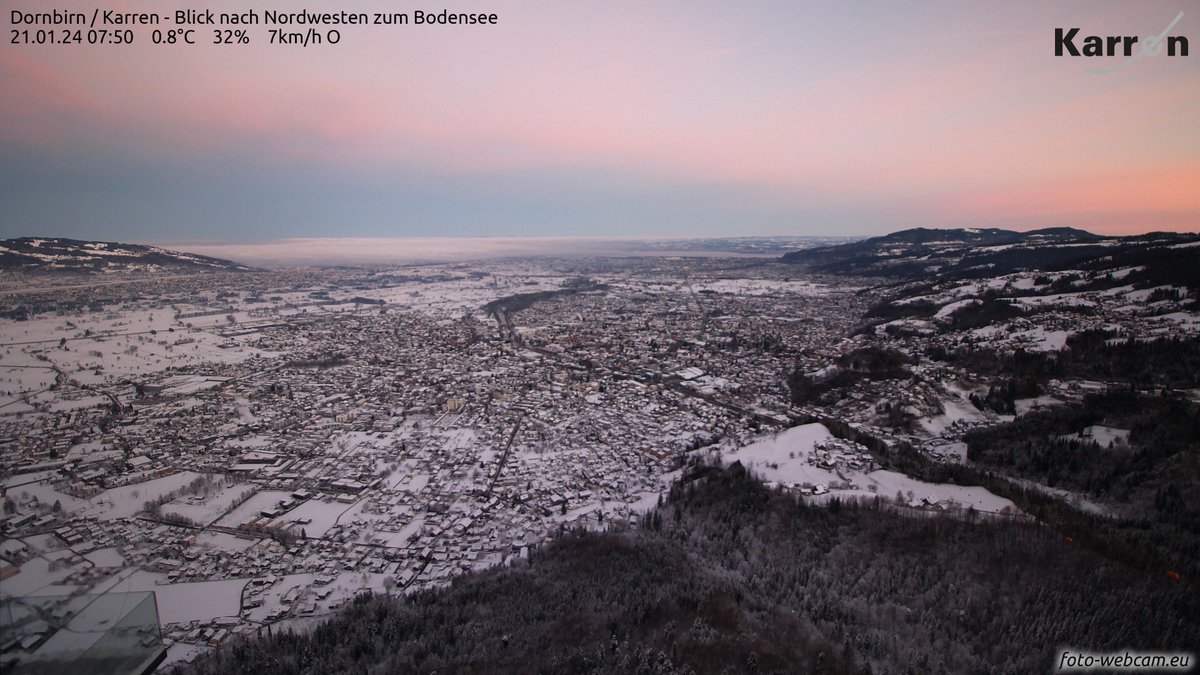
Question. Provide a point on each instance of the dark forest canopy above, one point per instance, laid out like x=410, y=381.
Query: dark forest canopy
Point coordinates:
x=1164, y=257
x=729, y=576
x=1172, y=363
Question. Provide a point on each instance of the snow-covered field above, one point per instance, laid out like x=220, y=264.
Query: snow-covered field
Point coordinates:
x=323, y=515
x=957, y=408
x=127, y=500
x=206, y=510
x=1105, y=437
x=36, y=576
x=914, y=492
x=251, y=509
x=184, y=602
x=786, y=458
x=106, y=557
x=103, y=348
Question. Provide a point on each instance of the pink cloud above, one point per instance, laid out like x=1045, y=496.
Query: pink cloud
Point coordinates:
x=977, y=119
x=41, y=102
x=1164, y=198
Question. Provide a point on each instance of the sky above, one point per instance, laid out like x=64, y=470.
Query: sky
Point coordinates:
x=616, y=118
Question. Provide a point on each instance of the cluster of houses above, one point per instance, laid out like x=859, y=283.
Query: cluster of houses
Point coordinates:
x=404, y=448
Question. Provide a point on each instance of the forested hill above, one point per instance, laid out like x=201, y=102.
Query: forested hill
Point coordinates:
x=33, y=254
x=728, y=576
x=923, y=253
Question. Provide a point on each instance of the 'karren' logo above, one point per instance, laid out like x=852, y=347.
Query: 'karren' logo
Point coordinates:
x=1069, y=43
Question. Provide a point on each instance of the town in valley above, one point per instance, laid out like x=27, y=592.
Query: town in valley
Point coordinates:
x=259, y=446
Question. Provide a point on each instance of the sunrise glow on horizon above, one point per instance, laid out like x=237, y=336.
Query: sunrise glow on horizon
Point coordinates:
x=610, y=120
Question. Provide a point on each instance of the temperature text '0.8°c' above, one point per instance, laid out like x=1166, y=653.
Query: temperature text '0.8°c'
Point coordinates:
x=173, y=36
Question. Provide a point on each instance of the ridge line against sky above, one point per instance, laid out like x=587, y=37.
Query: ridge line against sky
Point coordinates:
x=617, y=119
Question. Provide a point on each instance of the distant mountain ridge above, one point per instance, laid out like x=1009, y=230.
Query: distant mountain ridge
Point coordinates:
x=966, y=252
x=50, y=254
